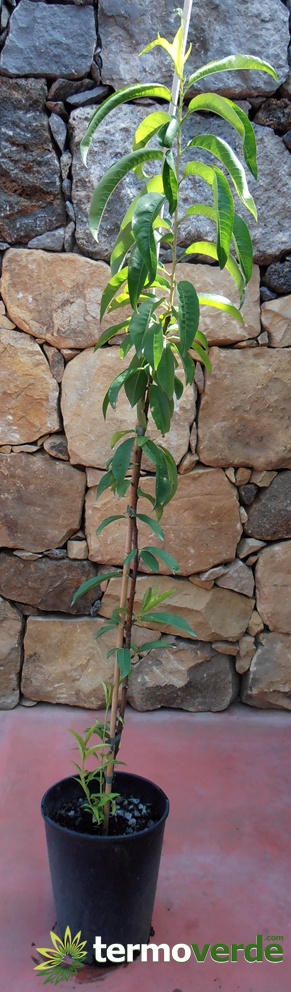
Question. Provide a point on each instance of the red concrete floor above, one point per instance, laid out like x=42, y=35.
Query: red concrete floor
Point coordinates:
x=225, y=870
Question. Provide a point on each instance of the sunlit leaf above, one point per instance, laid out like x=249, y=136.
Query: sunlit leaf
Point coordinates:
x=112, y=288
x=134, y=92
x=228, y=64
x=215, y=104
x=223, y=151
x=110, y=181
x=220, y=303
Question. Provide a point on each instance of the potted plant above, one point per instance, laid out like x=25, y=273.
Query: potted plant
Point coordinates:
x=104, y=879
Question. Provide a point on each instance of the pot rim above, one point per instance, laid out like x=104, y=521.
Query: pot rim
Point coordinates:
x=125, y=838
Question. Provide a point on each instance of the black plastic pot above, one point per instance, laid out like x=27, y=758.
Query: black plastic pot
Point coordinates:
x=105, y=886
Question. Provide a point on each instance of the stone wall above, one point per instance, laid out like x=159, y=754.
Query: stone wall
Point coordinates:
x=230, y=521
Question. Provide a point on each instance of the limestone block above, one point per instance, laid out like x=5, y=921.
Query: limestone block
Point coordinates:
x=77, y=550
x=64, y=663
x=11, y=626
x=42, y=501
x=28, y=392
x=49, y=40
x=215, y=614
x=269, y=517
x=256, y=624
x=31, y=201
x=267, y=684
x=85, y=382
x=55, y=296
x=47, y=584
x=201, y=523
x=237, y=576
x=183, y=676
x=244, y=416
x=245, y=653
x=276, y=319
x=56, y=446
x=273, y=582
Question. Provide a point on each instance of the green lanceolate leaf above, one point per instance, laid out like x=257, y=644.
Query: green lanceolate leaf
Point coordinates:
x=129, y=558
x=135, y=92
x=110, y=333
x=149, y=560
x=135, y=386
x=91, y=583
x=110, y=181
x=121, y=459
x=139, y=324
x=152, y=646
x=112, y=288
x=222, y=150
x=203, y=356
x=178, y=387
x=147, y=209
x=188, y=314
x=200, y=209
x=171, y=620
x=152, y=344
x=114, y=388
x=149, y=127
x=215, y=104
x=124, y=238
x=152, y=598
x=189, y=367
x=118, y=435
x=165, y=371
x=166, y=558
x=249, y=142
x=220, y=303
x=168, y=133
x=137, y=275
x=104, y=483
x=170, y=182
x=227, y=65
x=122, y=245
x=162, y=409
x=106, y=627
x=243, y=246
x=152, y=523
x=152, y=451
x=109, y=520
x=124, y=662
x=210, y=250
x=224, y=208
x=166, y=481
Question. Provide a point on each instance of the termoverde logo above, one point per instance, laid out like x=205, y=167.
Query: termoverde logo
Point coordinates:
x=63, y=959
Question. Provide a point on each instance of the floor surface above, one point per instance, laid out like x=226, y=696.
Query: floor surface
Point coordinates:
x=226, y=866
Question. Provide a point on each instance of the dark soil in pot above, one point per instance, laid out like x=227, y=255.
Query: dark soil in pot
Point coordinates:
x=130, y=817
x=105, y=885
